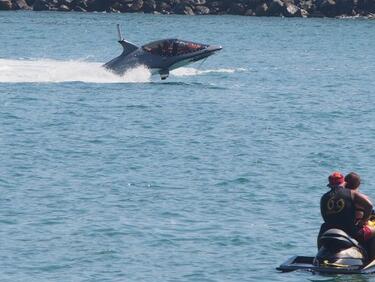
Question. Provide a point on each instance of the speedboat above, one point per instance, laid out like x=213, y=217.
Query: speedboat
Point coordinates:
x=160, y=57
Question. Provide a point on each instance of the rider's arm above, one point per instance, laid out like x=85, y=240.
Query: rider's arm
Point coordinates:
x=363, y=202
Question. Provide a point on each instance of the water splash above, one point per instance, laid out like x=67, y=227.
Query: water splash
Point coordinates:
x=193, y=71
x=53, y=71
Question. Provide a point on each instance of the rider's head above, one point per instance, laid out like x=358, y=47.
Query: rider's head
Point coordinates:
x=352, y=181
x=336, y=179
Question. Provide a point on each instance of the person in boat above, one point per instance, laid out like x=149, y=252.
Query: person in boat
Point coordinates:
x=338, y=209
x=352, y=182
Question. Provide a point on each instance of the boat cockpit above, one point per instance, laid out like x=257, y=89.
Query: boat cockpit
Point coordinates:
x=172, y=47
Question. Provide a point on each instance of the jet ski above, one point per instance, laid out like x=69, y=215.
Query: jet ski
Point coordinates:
x=338, y=254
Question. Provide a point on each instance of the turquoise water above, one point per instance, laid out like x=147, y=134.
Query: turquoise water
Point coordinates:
x=212, y=175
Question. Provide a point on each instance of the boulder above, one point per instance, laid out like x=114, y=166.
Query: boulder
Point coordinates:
x=307, y=5
x=215, y=4
x=79, y=9
x=136, y=6
x=316, y=14
x=201, y=10
x=187, y=2
x=63, y=8
x=345, y=7
x=237, y=9
x=290, y=10
x=20, y=5
x=215, y=7
x=367, y=7
x=112, y=10
x=261, y=10
x=149, y=6
x=275, y=8
x=118, y=7
x=126, y=8
x=328, y=8
x=92, y=5
x=215, y=11
x=252, y=4
x=199, y=2
x=5, y=5
x=163, y=7
x=228, y=3
x=81, y=4
x=97, y=5
x=53, y=4
x=125, y=2
x=304, y=13
x=191, y=2
x=189, y=11
x=249, y=12
x=171, y=2
x=183, y=9
x=68, y=3
x=41, y=5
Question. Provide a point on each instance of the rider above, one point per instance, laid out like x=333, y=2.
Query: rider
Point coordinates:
x=338, y=209
x=353, y=181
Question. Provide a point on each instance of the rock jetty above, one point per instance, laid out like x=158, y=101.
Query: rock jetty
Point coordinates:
x=286, y=8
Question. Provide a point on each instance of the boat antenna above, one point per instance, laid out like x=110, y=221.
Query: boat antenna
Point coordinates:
x=119, y=33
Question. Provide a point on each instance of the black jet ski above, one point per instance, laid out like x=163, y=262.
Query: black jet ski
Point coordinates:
x=338, y=254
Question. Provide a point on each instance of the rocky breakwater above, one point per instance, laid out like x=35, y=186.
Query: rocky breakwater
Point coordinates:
x=286, y=8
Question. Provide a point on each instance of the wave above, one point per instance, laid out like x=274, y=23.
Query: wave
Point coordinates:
x=53, y=71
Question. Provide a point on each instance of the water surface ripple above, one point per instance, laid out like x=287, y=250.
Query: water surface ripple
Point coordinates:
x=212, y=175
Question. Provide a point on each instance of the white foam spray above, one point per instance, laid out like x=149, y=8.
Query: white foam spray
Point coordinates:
x=193, y=71
x=53, y=71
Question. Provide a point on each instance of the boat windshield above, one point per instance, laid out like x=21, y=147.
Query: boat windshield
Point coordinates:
x=172, y=47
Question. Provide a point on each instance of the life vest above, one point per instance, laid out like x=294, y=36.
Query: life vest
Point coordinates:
x=338, y=210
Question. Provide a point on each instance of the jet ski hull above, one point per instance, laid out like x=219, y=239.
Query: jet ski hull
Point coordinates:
x=306, y=264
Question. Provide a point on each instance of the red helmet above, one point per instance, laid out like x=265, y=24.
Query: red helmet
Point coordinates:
x=336, y=178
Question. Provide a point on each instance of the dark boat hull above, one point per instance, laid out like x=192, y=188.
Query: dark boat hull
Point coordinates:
x=306, y=264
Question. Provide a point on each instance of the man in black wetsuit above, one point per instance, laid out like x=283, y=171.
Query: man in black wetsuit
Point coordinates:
x=338, y=209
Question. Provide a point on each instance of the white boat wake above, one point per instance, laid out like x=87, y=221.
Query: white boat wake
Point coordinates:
x=186, y=71
x=54, y=71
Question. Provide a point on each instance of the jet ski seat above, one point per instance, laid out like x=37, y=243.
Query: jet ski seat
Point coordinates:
x=337, y=239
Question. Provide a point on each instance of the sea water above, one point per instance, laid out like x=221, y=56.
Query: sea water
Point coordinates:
x=212, y=175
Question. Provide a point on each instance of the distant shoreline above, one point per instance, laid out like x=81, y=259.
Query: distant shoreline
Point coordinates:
x=276, y=8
